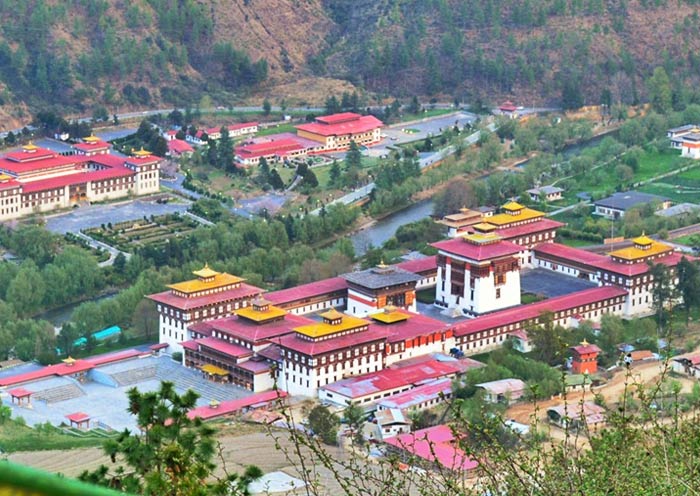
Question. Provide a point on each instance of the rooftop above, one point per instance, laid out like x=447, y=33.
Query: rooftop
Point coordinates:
x=534, y=310
x=233, y=406
x=335, y=125
x=381, y=277
x=240, y=292
x=402, y=375
x=207, y=279
x=419, y=265
x=628, y=199
x=310, y=290
x=333, y=322
x=478, y=252
x=418, y=395
x=436, y=444
x=503, y=386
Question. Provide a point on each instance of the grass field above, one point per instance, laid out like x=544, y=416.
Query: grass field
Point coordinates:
x=282, y=128
x=17, y=437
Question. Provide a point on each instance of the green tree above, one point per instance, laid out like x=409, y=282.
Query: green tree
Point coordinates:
x=275, y=180
x=660, y=93
x=266, y=106
x=324, y=424
x=225, y=150
x=173, y=454
x=663, y=291
x=334, y=173
x=354, y=416
x=688, y=285
x=458, y=194
x=547, y=339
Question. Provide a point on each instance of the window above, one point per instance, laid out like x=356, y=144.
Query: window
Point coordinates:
x=498, y=293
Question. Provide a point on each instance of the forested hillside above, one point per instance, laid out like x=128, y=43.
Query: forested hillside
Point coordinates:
x=83, y=54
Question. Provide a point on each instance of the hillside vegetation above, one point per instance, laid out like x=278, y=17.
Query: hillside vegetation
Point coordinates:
x=80, y=54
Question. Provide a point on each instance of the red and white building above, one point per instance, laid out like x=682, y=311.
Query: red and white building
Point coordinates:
x=214, y=133
x=369, y=291
x=36, y=180
x=478, y=274
x=210, y=296
x=330, y=133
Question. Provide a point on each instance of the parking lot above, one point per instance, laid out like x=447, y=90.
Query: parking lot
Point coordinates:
x=96, y=215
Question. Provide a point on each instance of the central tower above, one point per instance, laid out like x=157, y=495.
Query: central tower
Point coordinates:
x=477, y=274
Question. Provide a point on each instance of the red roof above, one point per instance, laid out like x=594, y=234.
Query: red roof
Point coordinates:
x=508, y=107
x=10, y=184
x=78, y=178
x=30, y=156
x=78, y=417
x=533, y=310
x=179, y=146
x=63, y=369
x=603, y=262
x=254, y=366
x=233, y=406
x=338, y=118
x=436, y=444
x=158, y=346
x=418, y=395
x=242, y=125
x=401, y=376
x=190, y=345
x=250, y=331
x=312, y=348
x=91, y=147
x=420, y=265
x=278, y=147
x=310, y=290
x=168, y=298
x=586, y=349
x=415, y=326
x=230, y=349
x=333, y=126
x=478, y=252
x=47, y=162
x=528, y=229
x=20, y=393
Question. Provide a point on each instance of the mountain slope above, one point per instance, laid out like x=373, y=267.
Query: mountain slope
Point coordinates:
x=80, y=54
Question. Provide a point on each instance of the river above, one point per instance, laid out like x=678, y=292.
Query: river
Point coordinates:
x=378, y=233
x=58, y=316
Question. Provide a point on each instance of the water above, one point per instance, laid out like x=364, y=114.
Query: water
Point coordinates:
x=575, y=149
x=382, y=230
x=59, y=316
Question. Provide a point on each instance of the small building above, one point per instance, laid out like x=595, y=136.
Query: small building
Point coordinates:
x=577, y=382
x=91, y=145
x=616, y=205
x=545, y=193
x=689, y=365
x=690, y=146
x=585, y=358
x=506, y=391
x=520, y=341
x=509, y=109
x=421, y=397
x=391, y=422
x=677, y=134
x=384, y=285
x=179, y=148
x=458, y=222
x=577, y=416
x=435, y=448
x=79, y=419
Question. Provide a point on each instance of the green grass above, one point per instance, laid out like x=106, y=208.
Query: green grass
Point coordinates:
x=426, y=296
x=526, y=298
x=282, y=128
x=689, y=240
x=17, y=437
x=575, y=243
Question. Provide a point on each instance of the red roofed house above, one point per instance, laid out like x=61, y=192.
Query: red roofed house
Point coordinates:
x=375, y=288
x=35, y=180
x=477, y=274
x=434, y=446
x=178, y=148
x=509, y=109
x=336, y=131
x=584, y=359
x=210, y=296
x=272, y=151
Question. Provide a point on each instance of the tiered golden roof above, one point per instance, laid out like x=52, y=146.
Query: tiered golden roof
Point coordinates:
x=515, y=212
x=256, y=314
x=140, y=153
x=484, y=227
x=390, y=315
x=206, y=279
x=644, y=247
x=482, y=238
x=91, y=139
x=325, y=328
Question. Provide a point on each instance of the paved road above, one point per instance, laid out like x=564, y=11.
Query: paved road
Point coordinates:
x=113, y=252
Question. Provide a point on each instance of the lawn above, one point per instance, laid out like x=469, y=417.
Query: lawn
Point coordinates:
x=14, y=436
x=282, y=128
